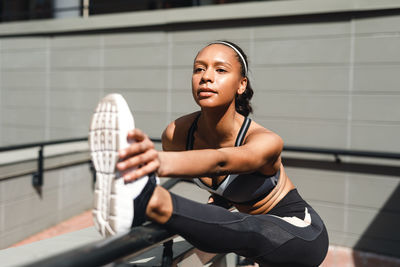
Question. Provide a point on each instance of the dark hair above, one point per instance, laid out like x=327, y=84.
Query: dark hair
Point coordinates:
x=242, y=101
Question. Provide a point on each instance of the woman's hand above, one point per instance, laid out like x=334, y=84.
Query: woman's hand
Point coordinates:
x=140, y=158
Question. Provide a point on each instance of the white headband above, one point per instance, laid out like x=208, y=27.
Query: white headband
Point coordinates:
x=237, y=52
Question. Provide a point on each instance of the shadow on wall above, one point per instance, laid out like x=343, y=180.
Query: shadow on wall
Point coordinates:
x=385, y=224
x=382, y=236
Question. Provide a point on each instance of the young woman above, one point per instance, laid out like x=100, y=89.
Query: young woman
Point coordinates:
x=234, y=158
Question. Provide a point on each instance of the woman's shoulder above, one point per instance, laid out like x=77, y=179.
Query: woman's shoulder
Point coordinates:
x=175, y=134
x=260, y=133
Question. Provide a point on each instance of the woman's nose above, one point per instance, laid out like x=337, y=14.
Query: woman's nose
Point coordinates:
x=208, y=75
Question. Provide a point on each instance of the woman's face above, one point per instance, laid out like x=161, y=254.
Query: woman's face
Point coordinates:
x=216, y=76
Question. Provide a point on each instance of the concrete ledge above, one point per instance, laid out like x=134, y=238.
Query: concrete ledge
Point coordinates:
x=29, y=253
x=193, y=14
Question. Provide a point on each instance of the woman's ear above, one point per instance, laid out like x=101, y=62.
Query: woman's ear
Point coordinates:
x=242, y=86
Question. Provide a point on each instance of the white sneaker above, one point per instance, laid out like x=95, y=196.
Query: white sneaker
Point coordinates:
x=113, y=209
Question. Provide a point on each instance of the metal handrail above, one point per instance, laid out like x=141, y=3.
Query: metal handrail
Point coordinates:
x=41, y=144
x=37, y=179
x=112, y=249
x=343, y=152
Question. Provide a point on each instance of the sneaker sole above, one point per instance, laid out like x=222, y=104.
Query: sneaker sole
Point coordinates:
x=113, y=202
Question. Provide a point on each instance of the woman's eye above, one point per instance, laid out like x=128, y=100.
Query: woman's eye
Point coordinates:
x=195, y=70
x=221, y=70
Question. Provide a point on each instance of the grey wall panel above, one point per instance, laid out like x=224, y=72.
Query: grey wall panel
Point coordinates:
x=307, y=132
x=137, y=56
x=152, y=123
x=366, y=47
x=1, y=217
x=31, y=60
x=309, y=182
x=183, y=54
x=378, y=136
x=29, y=209
x=376, y=78
x=25, y=99
x=17, y=134
x=73, y=79
x=377, y=24
x=78, y=58
x=372, y=191
x=144, y=100
x=332, y=214
x=25, y=116
x=65, y=193
x=376, y=108
x=139, y=38
x=69, y=194
x=202, y=37
x=305, y=51
x=302, y=30
x=76, y=100
x=338, y=237
x=153, y=77
x=77, y=42
x=386, y=225
x=306, y=105
x=299, y=79
x=69, y=118
x=30, y=80
x=182, y=102
x=29, y=43
x=182, y=79
x=66, y=132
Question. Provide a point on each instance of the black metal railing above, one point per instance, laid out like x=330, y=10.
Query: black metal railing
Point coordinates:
x=37, y=176
x=37, y=179
x=114, y=249
x=343, y=152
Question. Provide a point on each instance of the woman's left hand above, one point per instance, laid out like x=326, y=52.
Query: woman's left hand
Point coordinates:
x=140, y=158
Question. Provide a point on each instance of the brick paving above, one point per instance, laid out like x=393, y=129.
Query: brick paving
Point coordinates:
x=73, y=224
x=337, y=256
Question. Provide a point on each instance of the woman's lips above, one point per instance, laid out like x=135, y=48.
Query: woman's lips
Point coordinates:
x=206, y=92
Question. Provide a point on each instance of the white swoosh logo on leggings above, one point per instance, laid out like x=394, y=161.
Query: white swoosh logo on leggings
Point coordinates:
x=296, y=221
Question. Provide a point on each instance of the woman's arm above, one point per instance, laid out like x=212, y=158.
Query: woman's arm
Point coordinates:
x=261, y=150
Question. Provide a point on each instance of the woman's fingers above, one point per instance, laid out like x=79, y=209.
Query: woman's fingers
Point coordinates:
x=136, y=135
x=138, y=160
x=141, y=143
x=141, y=171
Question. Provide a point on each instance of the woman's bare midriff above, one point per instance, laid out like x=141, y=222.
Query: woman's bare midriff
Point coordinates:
x=266, y=204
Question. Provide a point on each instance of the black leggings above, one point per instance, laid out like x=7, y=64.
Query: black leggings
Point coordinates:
x=266, y=238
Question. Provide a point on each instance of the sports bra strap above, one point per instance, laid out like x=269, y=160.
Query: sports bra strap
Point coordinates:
x=190, y=136
x=243, y=131
x=239, y=139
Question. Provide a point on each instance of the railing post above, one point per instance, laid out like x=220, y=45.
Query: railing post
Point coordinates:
x=37, y=179
x=93, y=171
x=167, y=256
x=337, y=158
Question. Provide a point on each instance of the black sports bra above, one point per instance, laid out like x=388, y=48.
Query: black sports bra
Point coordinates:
x=237, y=188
